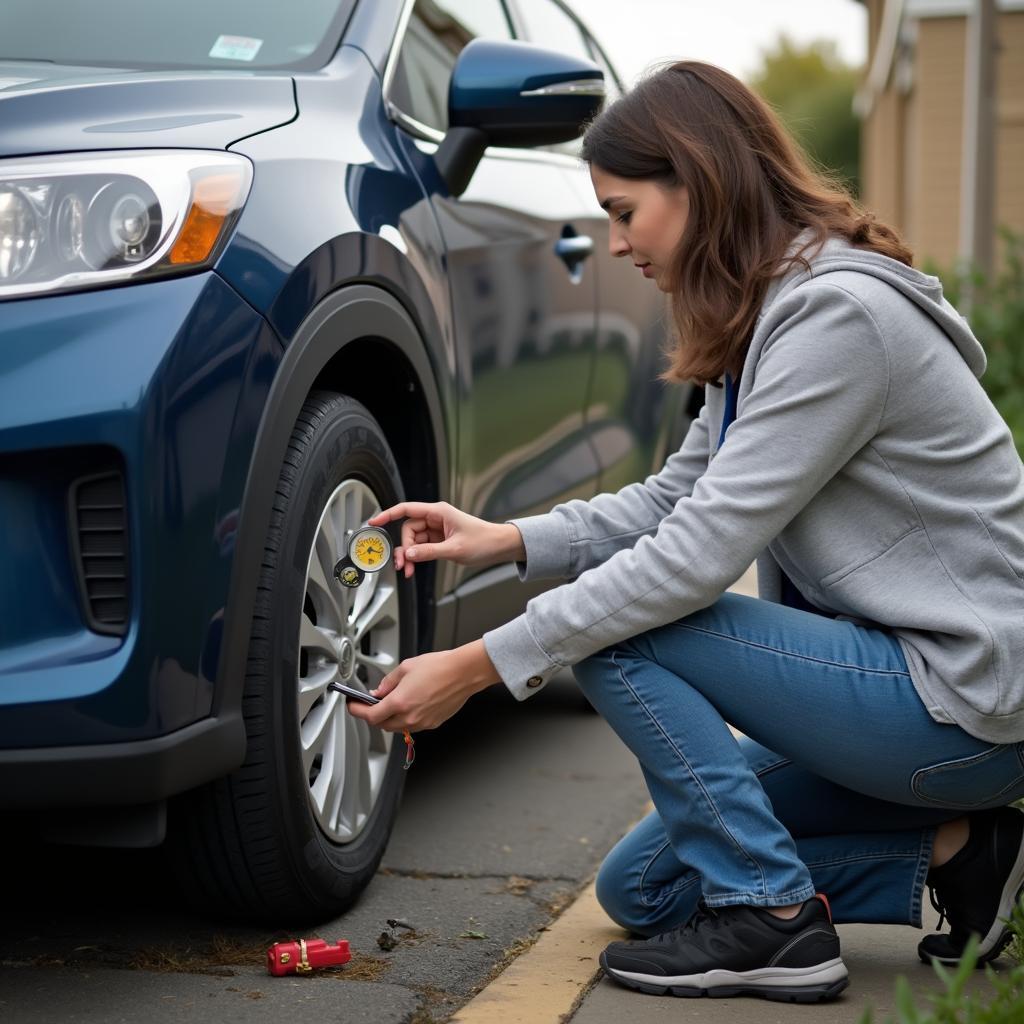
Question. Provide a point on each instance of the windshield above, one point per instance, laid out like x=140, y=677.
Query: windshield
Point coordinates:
x=247, y=34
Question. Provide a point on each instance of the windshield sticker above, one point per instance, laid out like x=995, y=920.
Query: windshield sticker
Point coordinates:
x=236, y=47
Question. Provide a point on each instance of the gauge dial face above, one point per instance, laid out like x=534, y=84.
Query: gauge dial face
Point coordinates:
x=370, y=549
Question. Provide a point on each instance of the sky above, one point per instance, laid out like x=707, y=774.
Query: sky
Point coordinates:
x=729, y=33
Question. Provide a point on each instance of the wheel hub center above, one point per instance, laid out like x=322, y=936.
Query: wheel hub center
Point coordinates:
x=346, y=658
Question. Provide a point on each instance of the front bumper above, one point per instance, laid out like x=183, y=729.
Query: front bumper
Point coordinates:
x=121, y=774
x=163, y=382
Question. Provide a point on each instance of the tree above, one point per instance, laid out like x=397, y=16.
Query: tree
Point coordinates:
x=812, y=89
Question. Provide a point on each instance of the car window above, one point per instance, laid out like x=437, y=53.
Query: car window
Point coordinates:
x=611, y=84
x=438, y=30
x=239, y=34
x=547, y=25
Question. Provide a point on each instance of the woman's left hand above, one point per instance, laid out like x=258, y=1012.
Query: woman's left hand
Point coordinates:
x=425, y=691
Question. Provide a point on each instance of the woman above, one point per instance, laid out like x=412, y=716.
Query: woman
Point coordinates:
x=847, y=445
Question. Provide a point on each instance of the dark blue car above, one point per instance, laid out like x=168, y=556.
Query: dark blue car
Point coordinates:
x=266, y=269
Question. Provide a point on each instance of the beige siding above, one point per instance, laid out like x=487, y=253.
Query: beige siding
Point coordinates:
x=933, y=191
x=881, y=142
x=911, y=143
x=881, y=160
x=1010, y=124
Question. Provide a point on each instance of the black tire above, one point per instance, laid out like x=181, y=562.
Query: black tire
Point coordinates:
x=249, y=845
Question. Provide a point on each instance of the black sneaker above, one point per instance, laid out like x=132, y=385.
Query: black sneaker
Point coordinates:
x=977, y=888
x=736, y=951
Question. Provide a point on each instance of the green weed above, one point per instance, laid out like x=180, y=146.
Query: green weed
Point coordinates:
x=997, y=319
x=1002, y=1002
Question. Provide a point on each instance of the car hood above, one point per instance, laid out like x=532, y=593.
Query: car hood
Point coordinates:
x=49, y=108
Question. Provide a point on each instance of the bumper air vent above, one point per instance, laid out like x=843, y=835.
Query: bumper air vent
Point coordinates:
x=99, y=532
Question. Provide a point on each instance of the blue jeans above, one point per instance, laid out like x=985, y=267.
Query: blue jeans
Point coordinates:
x=838, y=786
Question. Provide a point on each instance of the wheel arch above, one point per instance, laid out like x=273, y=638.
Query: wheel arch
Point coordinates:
x=349, y=325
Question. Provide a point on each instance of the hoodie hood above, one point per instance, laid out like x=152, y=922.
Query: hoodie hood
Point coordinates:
x=924, y=290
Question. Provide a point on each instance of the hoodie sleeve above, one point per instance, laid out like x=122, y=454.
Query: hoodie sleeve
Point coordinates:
x=577, y=535
x=818, y=394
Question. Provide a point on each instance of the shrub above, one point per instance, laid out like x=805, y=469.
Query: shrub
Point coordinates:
x=997, y=319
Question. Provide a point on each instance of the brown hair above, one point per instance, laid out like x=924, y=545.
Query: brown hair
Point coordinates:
x=751, y=191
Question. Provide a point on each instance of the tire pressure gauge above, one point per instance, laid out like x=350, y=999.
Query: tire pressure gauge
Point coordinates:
x=369, y=550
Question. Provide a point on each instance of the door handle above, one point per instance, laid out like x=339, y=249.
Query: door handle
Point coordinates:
x=572, y=251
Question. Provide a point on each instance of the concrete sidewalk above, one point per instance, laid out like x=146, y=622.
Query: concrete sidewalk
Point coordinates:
x=558, y=980
x=875, y=955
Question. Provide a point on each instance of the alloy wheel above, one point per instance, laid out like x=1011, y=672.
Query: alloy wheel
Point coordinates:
x=349, y=636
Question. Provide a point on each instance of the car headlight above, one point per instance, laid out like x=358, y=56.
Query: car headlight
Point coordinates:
x=89, y=219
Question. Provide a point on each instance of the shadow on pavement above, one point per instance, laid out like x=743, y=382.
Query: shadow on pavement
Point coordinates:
x=45, y=882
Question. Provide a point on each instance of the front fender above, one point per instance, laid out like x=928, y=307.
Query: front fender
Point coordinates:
x=349, y=314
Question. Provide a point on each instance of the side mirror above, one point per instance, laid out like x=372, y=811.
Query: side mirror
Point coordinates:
x=513, y=94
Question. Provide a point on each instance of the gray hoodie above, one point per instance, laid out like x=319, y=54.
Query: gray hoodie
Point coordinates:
x=865, y=461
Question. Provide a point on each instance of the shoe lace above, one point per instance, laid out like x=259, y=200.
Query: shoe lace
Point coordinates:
x=937, y=903
x=702, y=915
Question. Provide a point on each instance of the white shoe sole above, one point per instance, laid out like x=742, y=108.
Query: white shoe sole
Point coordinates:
x=790, y=984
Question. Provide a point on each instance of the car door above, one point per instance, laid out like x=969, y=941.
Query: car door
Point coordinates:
x=523, y=307
x=635, y=420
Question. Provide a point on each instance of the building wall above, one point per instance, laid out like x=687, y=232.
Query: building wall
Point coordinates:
x=881, y=148
x=911, y=140
x=1010, y=103
x=932, y=186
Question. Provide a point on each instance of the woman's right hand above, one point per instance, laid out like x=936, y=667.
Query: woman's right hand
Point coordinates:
x=435, y=530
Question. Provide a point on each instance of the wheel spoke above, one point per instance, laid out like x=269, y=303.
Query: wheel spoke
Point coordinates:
x=314, y=686
x=351, y=520
x=368, y=506
x=377, y=763
x=382, y=606
x=362, y=597
x=314, y=733
x=329, y=598
x=364, y=789
x=337, y=521
x=313, y=638
x=343, y=814
x=330, y=535
x=356, y=771
x=319, y=789
x=339, y=780
x=381, y=662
